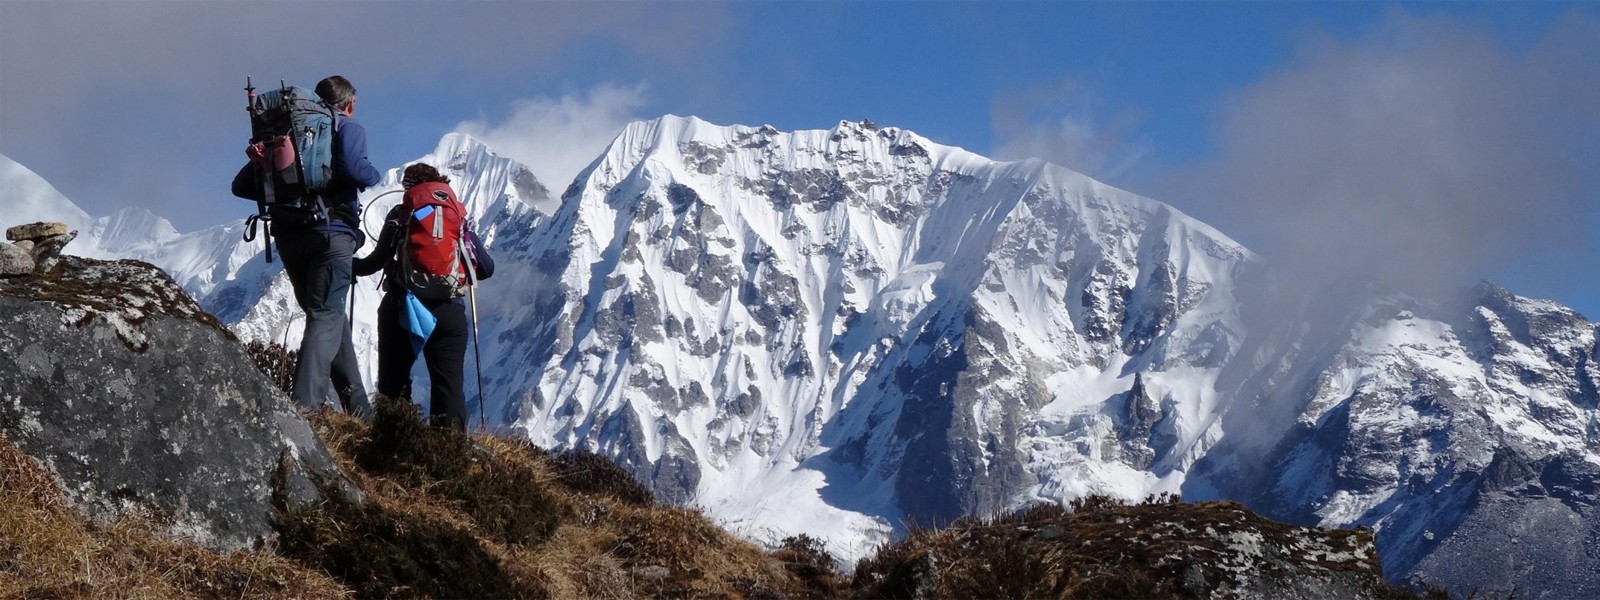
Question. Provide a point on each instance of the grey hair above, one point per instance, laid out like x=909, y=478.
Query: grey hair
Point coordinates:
x=336, y=91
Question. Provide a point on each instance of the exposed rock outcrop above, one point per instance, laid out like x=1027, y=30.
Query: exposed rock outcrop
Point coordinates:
x=14, y=260
x=40, y=244
x=1102, y=549
x=137, y=400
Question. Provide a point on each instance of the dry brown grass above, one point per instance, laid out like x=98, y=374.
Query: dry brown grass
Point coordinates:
x=1097, y=547
x=48, y=551
x=530, y=523
x=448, y=516
x=443, y=517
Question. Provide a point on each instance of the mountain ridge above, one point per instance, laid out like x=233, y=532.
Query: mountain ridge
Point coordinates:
x=837, y=331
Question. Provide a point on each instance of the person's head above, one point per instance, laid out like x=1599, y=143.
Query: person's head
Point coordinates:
x=420, y=173
x=338, y=93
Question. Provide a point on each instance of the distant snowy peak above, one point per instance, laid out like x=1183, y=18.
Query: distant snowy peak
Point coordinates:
x=133, y=229
x=901, y=212
x=487, y=182
x=692, y=145
x=28, y=198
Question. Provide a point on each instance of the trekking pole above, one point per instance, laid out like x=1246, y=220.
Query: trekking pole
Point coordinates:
x=472, y=297
x=347, y=400
x=261, y=217
x=285, y=346
x=477, y=357
x=360, y=221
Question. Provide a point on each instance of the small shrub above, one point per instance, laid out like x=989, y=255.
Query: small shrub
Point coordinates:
x=1163, y=498
x=505, y=498
x=1034, y=513
x=590, y=473
x=906, y=569
x=275, y=361
x=807, y=558
x=381, y=552
x=1094, y=503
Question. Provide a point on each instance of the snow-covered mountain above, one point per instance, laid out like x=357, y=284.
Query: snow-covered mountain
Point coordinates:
x=29, y=198
x=1465, y=432
x=841, y=332
x=838, y=331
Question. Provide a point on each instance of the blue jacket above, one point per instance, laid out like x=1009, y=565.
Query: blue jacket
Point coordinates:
x=352, y=172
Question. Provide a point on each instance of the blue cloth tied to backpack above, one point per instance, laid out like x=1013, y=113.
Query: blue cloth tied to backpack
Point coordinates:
x=419, y=323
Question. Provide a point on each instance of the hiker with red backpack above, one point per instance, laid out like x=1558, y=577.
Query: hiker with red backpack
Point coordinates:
x=429, y=257
x=307, y=162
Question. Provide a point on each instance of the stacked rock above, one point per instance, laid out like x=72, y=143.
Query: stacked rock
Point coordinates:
x=35, y=248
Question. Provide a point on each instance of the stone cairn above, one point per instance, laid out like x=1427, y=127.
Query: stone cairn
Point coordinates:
x=35, y=248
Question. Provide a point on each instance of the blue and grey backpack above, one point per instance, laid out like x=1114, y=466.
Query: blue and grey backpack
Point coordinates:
x=291, y=144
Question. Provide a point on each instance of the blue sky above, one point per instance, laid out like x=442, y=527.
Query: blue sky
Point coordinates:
x=1436, y=142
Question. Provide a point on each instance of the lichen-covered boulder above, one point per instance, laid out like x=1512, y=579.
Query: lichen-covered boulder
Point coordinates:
x=137, y=400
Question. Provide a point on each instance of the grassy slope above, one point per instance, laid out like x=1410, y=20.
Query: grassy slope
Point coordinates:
x=448, y=516
x=444, y=516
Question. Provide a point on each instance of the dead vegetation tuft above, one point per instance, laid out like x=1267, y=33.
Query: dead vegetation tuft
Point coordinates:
x=274, y=361
x=1099, y=547
x=449, y=515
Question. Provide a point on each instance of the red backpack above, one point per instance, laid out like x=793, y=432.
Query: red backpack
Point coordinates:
x=433, y=257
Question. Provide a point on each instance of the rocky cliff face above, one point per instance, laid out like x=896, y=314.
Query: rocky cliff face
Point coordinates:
x=1465, y=433
x=136, y=400
x=868, y=325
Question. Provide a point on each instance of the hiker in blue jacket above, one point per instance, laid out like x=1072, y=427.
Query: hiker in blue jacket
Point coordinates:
x=445, y=348
x=318, y=248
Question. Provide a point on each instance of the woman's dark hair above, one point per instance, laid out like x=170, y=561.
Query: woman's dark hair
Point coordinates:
x=421, y=173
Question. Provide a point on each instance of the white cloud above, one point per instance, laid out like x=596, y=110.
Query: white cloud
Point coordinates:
x=1421, y=156
x=81, y=83
x=557, y=137
x=1066, y=123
